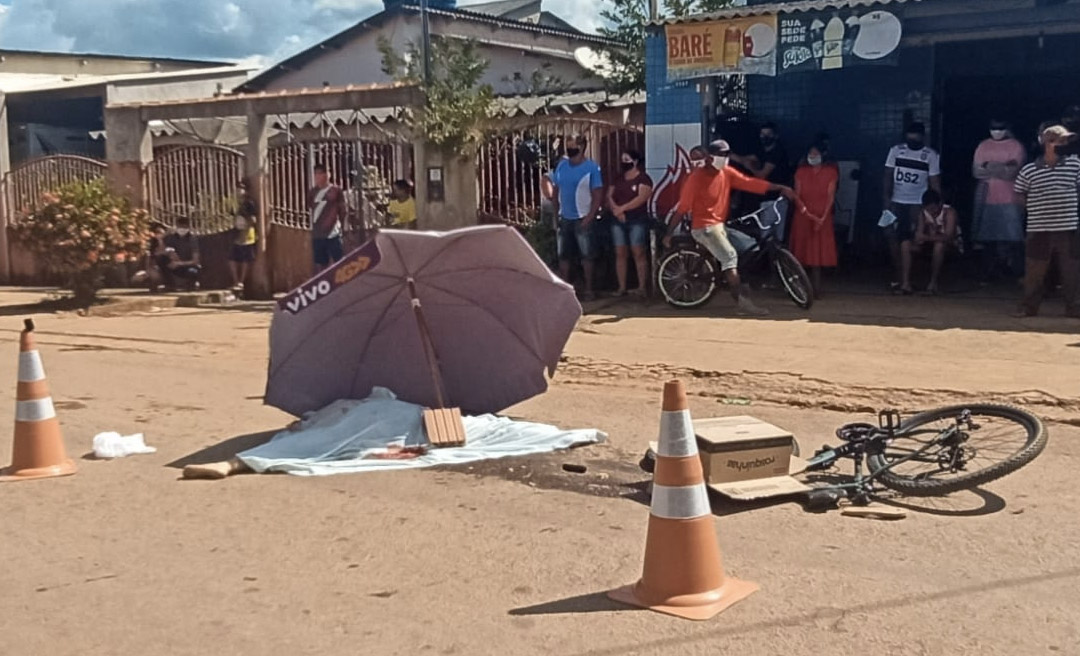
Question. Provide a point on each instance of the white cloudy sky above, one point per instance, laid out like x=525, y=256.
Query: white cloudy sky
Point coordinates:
x=255, y=30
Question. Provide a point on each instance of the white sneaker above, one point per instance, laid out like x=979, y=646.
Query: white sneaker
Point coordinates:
x=746, y=307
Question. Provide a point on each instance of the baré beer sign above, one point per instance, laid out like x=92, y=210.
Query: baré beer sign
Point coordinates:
x=690, y=48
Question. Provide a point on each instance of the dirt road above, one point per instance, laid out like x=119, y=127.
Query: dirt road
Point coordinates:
x=513, y=558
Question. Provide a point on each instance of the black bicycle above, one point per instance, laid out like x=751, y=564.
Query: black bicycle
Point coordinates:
x=688, y=275
x=933, y=453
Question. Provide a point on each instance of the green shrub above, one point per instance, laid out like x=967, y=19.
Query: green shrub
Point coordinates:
x=81, y=230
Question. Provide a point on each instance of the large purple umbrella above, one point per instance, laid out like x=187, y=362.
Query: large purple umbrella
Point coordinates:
x=470, y=318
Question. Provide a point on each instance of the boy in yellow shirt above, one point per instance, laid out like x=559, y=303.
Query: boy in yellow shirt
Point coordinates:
x=402, y=207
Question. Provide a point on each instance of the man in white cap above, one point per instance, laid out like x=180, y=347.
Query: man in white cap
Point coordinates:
x=1049, y=187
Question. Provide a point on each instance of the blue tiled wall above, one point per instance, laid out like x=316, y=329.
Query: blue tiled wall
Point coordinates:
x=668, y=104
x=862, y=109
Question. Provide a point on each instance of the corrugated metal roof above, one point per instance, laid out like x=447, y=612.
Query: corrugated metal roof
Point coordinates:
x=589, y=102
x=777, y=8
x=13, y=83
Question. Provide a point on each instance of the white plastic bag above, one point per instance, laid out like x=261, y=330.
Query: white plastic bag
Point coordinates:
x=115, y=445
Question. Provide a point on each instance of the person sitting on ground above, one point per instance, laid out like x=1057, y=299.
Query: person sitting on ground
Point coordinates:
x=402, y=207
x=939, y=230
x=180, y=258
x=156, y=260
x=244, y=239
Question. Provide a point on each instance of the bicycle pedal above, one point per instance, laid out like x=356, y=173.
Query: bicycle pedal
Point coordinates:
x=822, y=500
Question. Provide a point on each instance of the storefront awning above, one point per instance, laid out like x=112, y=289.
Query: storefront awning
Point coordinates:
x=777, y=8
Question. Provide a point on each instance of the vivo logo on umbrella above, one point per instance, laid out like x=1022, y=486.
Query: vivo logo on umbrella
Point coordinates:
x=305, y=296
x=356, y=263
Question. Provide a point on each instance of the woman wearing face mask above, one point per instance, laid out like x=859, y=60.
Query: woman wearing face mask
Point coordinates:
x=999, y=210
x=627, y=199
x=813, y=239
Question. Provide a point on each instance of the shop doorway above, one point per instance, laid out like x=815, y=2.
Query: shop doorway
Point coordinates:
x=965, y=107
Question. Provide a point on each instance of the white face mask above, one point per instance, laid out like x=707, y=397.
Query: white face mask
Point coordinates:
x=183, y=232
x=997, y=135
x=813, y=161
x=719, y=162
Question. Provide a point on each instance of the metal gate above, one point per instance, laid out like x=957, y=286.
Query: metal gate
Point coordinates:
x=197, y=182
x=512, y=164
x=24, y=185
x=356, y=166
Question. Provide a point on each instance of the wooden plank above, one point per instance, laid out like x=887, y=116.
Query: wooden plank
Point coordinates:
x=444, y=427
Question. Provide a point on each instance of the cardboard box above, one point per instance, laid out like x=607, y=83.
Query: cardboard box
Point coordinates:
x=745, y=458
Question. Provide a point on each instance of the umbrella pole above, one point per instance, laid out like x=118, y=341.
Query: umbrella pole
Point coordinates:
x=429, y=345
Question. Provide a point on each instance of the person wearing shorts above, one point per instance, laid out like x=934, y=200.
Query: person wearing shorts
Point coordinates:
x=326, y=202
x=910, y=170
x=242, y=254
x=577, y=190
x=627, y=200
x=706, y=197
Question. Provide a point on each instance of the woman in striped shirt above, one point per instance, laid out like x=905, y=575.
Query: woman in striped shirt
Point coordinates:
x=1050, y=187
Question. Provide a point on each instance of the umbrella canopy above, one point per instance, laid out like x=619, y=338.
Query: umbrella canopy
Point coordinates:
x=473, y=311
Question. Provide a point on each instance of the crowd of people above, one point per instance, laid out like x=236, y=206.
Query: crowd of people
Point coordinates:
x=1025, y=215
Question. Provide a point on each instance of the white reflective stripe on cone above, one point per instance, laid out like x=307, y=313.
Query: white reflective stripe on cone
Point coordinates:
x=36, y=410
x=30, y=367
x=688, y=502
x=676, y=435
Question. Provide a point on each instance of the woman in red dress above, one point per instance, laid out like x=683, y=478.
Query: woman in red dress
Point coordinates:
x=812, y=238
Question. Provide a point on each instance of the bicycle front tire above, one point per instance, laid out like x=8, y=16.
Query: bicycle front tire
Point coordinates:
x=1033, y=444
x=794, y=278
x=687, y=278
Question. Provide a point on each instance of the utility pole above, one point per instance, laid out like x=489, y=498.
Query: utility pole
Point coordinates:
x=425, y=39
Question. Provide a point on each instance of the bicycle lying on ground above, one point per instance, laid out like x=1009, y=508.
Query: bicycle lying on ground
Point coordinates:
x=932, y=453
x=688, y=275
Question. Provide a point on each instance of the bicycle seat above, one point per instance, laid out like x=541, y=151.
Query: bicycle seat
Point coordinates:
x=857, y=432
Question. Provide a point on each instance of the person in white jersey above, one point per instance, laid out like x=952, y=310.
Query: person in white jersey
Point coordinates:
x=910, y=170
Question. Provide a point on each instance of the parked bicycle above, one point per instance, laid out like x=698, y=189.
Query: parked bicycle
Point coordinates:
x=933, y=453
x=688, y=275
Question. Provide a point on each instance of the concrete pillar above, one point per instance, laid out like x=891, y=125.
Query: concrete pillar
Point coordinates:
x=5, y=210
x=129, y=149
x=257, y=163
x=455, y=204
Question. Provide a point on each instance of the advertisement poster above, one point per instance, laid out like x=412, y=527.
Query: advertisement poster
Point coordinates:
x=744, y=46
x=822, y=41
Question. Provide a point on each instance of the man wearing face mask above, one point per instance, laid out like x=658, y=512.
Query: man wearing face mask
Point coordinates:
x=577, y=192
x=772, y=164
x=910, y=169
x=1048, y=186
x=706, y=197
x=181, y=256
x=999, y=210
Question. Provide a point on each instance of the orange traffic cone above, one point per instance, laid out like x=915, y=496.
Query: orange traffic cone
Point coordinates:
x=683, y=574
x=39, y=447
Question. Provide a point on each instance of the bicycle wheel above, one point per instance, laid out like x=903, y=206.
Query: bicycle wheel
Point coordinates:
x=999, y=440
x=794, y=279
x=687, y=278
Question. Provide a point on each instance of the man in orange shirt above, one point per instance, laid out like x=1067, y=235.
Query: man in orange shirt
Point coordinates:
x=706, y=197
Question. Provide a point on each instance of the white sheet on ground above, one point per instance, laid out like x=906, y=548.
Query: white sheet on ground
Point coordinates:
x=340, y=438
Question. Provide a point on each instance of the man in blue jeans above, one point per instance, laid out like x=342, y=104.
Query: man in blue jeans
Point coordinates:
x=577, y=192
x=326, y=202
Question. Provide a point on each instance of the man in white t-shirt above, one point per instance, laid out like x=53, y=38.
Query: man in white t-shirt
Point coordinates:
x=911, y=168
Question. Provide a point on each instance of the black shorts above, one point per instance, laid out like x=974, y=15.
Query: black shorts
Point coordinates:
x=243, y=253
x=326, y=251
x=907, y=220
